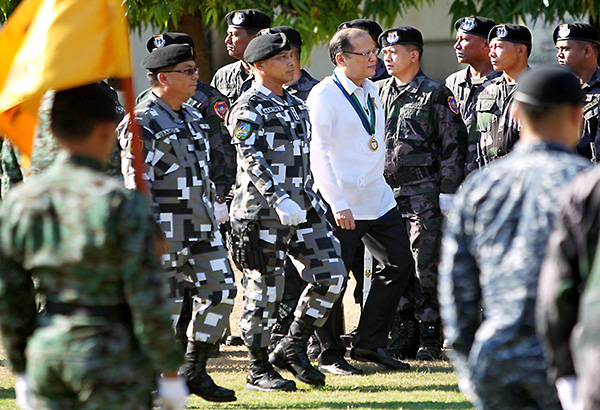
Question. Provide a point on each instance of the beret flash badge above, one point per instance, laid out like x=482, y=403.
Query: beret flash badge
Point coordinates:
x=243, y=130
x=501, y=32
x=238, y=18
x=452, y=104
x=221, y=109
x=468, y=24
x=392, y=37
x=159, y=41
x=564, y=31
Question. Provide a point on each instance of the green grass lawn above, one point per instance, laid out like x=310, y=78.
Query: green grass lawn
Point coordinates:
x=425, y=386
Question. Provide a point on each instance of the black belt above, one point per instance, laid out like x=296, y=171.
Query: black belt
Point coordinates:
x=120, y=313
x=404, y=175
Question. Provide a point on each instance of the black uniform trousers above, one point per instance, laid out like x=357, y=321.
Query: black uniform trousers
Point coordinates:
x=387, y=240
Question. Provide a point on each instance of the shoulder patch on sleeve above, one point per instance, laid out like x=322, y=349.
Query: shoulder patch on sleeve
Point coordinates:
x=242, y=130
x=452, y=104
x=221, y=109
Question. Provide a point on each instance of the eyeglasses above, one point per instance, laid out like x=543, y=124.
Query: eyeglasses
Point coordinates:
x=374, y=52
x=188, y=71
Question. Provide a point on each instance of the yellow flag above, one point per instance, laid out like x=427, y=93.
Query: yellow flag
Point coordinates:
x=57, y=44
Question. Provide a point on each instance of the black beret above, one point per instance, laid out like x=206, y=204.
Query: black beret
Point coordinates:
x=479, y=26
x=291, y=33
x=168, y=55
x=400, y=35
x=371, y=26
x=250, y=19
x=510, y=32
x=549, y=86
x=265, y=46
x=576, y=31
x=165, y=39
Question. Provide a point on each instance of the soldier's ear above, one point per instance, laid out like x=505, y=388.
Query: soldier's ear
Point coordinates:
x=162, y=78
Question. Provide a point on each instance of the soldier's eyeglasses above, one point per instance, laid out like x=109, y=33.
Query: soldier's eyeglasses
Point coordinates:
x=188, y=71
x=374, y=52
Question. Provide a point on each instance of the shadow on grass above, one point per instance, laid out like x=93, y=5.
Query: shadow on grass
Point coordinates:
x=374, y=389
x=7, y=393
x=407, y=405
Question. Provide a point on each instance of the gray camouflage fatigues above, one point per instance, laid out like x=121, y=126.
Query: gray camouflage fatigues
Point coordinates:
x=494, y=242
x=425, y=151
x=176, y=153
x=232, y=80
x=88, y=243
x=465, y=89
x=272, y=136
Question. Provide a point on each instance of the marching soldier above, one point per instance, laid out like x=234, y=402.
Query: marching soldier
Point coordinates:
x=242, y=26
x=577, y=46
x=177, y=153
x=472, y=48
x=275, y=210
x=425, y=149
x=510, y=47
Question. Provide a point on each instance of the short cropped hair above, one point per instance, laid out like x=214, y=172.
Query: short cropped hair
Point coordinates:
x=341, y=41
x=77, y=111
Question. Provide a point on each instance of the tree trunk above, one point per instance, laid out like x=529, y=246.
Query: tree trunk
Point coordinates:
x=192, y=25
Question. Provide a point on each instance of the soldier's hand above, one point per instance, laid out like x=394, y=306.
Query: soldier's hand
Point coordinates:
x=345, y=220
x=221, y=213
x=290, y=213
x=173, y=392
x=22, y=392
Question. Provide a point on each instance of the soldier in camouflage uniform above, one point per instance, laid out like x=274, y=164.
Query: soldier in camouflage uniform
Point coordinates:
x=494, y=242
x=176, y=152
x=10, y=168
x=472, y=48
x=577, y=46
x=242, y=26
x=425, y=151
x=275, y=210
x=98, y=345
x=510, y=46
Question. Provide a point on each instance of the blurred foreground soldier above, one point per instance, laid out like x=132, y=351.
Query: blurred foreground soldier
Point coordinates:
x=494, y=243
x=425, y=153
x=275, y=210
x=176, y=152
x=472, y=48
x=510, y=47
x=577, y=46
x=374, y=30
x=242, y=26
x=98, y=345
x=347, y=155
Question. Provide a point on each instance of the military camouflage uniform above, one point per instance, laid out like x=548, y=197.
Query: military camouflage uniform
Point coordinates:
x=10, y=167
x=465, y=88
x=176, y=152
x=497, y=128
x=272, y=136
x=213, y=106
x=425, y=151
x=302, y=87
x=567, y=273
x=591, y=111
x=493, y=246
x=105, y=335
x=232, y=80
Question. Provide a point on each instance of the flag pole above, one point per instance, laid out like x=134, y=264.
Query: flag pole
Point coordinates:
x=136, y=141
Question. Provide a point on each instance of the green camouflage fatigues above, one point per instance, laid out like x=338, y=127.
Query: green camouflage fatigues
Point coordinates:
x=569, y=287
x=232, y=80
x=591, y=111
x=90, y=244
x=465, y=89
x=425, y=151
x=494, y=242
x=302, y=87
x=213, y=106
x=272, y=136
x=10, y=168
x=498, y=130
x=176, y=153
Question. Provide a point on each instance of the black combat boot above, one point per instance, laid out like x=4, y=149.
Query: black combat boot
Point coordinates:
x=262, y=376
x=290, y=354
x=406, y=342
x=430, y=347
x=198, y=381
